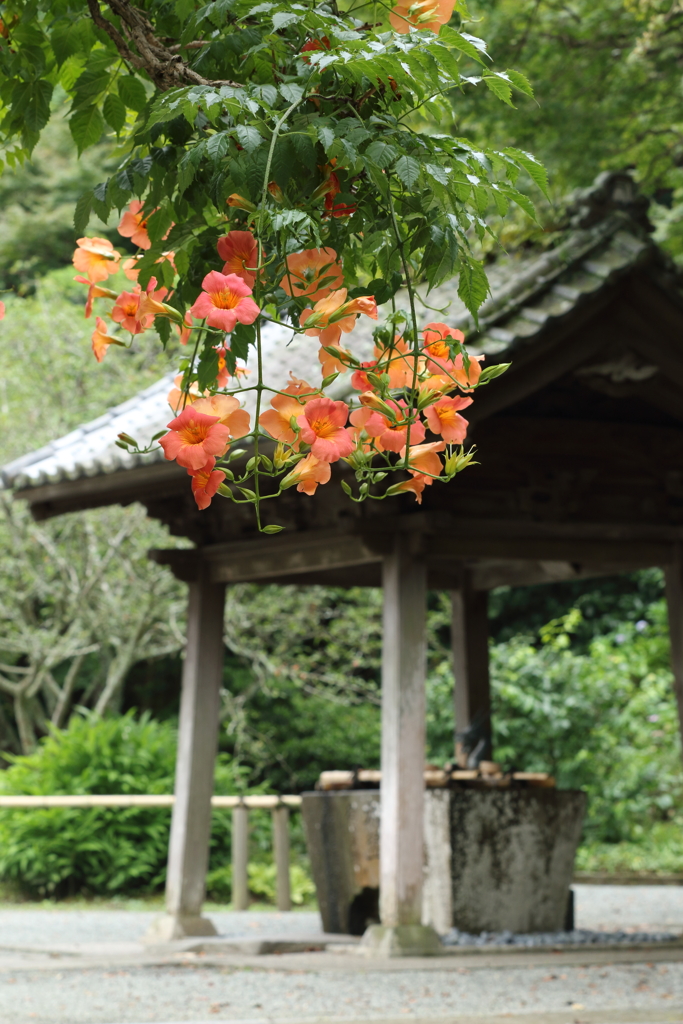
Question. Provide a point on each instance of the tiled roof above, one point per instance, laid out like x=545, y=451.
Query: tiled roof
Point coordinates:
x=608, y=237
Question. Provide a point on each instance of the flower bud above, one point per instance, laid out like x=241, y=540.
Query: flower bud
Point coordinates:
x=276, y=192
x=240, y=203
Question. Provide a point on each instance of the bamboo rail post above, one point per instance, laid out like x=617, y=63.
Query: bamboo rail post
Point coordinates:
x=281, y=855
x=240, y=857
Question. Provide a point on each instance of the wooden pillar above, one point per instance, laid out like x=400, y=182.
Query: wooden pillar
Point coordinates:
x=472, y=691
x=240, y=858
x=281, y=855
x=673, y=575
x=197, y=744
x=401, y=844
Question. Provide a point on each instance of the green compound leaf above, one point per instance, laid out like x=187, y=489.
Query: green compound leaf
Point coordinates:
x=132, y=92
x=87, y=127
x=408, y=170
x=114, y=112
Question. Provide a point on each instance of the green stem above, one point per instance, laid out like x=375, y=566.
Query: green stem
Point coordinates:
x=411, y=297
x=259, y=353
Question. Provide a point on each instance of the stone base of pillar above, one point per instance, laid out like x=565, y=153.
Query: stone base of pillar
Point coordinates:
x=178, y=926
x=404, y=940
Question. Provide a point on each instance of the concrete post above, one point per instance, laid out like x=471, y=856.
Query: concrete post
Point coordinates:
x=281, y=855
x=240, y=858
x=188, y=854
x=472, y=691
x=403, y=757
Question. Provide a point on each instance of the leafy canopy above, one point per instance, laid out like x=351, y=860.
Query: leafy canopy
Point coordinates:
x=305, y=122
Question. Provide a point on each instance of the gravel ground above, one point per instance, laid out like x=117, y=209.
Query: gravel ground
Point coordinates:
x=24, y=928
x=357, y=989
x=202, y=994
x=609, y=908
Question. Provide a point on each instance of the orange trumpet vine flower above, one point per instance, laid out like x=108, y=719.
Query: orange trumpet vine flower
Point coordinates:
x=224, y=301
x=307, y=474
x=322, y=426
x=228, y=411
x=96, y=258
x=94, y=292
x=308, y=269
x=334, y=314
x=239, y=249
x=205, y=483
x=101, y=340
x=278, y=420
x=194, y=438
x=133, y=225
x=443, y=418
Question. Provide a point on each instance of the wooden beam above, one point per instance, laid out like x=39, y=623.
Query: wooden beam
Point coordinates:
x=403, y=736
x=461, y=546
x=121, y=487
x=674, y=601
x=287, y=555
x=472, y=690
x=188, y=855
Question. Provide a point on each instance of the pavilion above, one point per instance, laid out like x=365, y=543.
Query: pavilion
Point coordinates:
x=580, y=449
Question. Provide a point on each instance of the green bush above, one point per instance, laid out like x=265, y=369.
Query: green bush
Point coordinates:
x=105, y=851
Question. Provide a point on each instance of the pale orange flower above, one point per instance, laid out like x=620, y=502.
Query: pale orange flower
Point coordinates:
x=96, y=258
x=131, y=269
x=415, y=485
x=334, y=314
x=313, y=273
x=395, y=434
x=396, y=361
x=2, y=310
x=94, y=292
x=178, y=399
x=333, y=362
x=228, y=411
x=225, y=301
x=285, y=407
x=101, y=340
x=440, y=361
x=133, y=225
x=424, y=461
x=126, y=312
x=430, y=14
x=307, y=474
x=443, y=418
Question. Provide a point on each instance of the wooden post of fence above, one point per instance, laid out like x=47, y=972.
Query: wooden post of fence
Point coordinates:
x=240, y=857
x=281, y=855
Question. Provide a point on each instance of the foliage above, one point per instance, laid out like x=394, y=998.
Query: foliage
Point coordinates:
x=43, y=353
x=65, y=850
x=603, y=720
x=37, y=200
x=605, y=77
x=307, y=123
x=80, y=605
x=102, y=851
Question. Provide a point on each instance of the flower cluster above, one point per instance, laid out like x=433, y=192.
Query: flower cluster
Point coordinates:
x=406, y=415
x=409, y=388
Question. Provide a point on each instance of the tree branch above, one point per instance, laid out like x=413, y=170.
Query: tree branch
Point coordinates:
x=166, y=69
